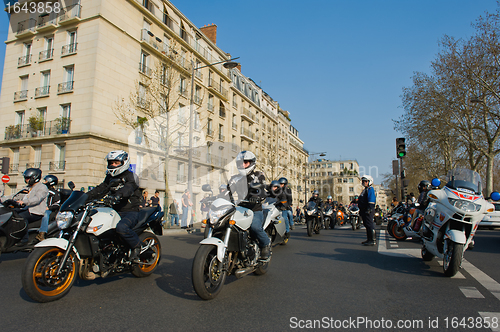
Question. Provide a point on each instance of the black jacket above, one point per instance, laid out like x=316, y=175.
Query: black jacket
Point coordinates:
x=128, y=189
x=247, y=187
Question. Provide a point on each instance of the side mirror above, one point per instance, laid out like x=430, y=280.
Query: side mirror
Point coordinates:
x=435, y=182
x=495, y=196
x=206, y=187
x=71, y=185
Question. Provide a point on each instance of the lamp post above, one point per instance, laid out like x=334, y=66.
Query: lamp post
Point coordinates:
x=306, y=177
x=228, y=64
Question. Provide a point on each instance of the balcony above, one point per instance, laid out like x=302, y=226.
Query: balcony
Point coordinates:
x=57, y=166
x=181, y=178
x=24, y=61
x=45, y=55
x=156, y=43
x=26, y=28
x=14, y=168
x=197, y=100
x=65, y=87
x=69, y=49
x=210, y=108
x=47, y=128
x=70, y=14
x=42, y=91
x=246, y=114
x=210, y=132
x=215, y=87
x=20, y=95
x=145, y=69
x=221, y=137
x=246, y=133
x=36, y=164
x=47, y=22
x=149, y=6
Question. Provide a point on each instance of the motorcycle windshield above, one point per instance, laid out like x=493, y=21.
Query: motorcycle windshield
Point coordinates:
x=311, y=206
x=465, y=180
x=76, y=200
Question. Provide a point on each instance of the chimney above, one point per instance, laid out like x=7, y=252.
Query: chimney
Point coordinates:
x=239, y=67
x=210, y=31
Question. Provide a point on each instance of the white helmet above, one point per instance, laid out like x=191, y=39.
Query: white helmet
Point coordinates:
x=246, y=156
x=121, y=156
x=367, y=178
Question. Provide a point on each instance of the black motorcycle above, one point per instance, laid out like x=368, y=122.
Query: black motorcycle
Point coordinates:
x=313, y=218
x=329, y=217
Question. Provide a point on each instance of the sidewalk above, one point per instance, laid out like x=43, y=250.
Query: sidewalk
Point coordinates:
x=171, y=230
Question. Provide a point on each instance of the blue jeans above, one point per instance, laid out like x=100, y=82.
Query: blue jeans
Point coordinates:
x=257, y=231
x=284, y=214
x=184, y=218
x=290, y=217
x=44, y=227
x=124, y=228
x=174, y=218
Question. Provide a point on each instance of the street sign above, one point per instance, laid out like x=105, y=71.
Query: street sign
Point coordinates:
x=395, y=167
x=132, y=167
x=5, y=178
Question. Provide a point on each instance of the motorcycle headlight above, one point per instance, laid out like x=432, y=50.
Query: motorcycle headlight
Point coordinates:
x=63, y=219
x=311, y=212
x=215, y=215
x=377, y=214
x=464, y=205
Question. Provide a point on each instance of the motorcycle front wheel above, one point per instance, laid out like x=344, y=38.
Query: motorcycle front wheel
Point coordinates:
x=317, y=226
x=39, y=276
x=148, y=265
x=426, y=255
x=389, y=228
x=398, y=232
x=353, y=223
x=309, y=223
x=452, y=258
x=207, y=273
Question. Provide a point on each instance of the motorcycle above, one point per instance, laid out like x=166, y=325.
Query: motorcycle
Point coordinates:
x=400, y=229
x=274, y=224
x=13, y=228
x=227, y=250
x=395, y=215
x=328, y=217
x=377, y=218
x=354, y=217
x=340, y=219
x=452, y=218
x=89, y=246
x=313, y=218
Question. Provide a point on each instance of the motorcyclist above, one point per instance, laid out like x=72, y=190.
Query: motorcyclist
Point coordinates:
x=34, y=203
x=249, y=185
x=286, y=207
x=423, y=188
x=125, y=198
x=319, y=203
x=329, y=203
x=366, y=204
x=53, y=204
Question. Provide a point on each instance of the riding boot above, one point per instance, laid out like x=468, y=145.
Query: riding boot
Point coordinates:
x=369, y=236
x=265, y=253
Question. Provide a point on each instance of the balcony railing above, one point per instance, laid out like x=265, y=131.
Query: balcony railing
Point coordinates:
x=217, y=87
x=14, y=168
x=197, y=100
x=235, y=126
x=69, y=49
x=221, y=137
x=42, y=91
x=69, y=12
x=57, y=165
x=45, y=55
x=183, y=92
x=46, y=128
x=37, y=164
x=247, y=133
x=65, y=87
x=181, y=178
x=46, y=20
x=26, y=25
x=145, y=69
x=148, y=5
x=24, y=60
x=222, y=112
x=20, y=95
x=210, y=108
x=210, y=132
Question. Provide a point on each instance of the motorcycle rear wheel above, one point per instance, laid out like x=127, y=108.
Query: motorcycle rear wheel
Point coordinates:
x=39, y=276
x=207, y=273
x=398, y=232
x=309, y=227
x=389, y=228
x=452, y=258
x=149, y=266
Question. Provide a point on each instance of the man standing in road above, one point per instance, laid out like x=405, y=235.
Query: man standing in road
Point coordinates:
x=366, y=204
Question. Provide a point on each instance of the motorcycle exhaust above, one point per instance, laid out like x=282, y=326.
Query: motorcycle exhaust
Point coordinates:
x=243, y=272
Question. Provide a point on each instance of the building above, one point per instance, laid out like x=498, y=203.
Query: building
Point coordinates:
x=82, y=82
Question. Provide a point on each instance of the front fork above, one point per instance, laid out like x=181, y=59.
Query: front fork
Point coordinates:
x=72, y=242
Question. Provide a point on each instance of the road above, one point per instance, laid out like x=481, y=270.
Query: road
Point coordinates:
x=329, y=280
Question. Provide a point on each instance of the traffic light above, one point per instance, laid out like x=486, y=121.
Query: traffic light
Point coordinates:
x=400, y=147
x=5, y=165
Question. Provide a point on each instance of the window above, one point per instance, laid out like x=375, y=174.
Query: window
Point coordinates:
x=351, y=189
x=180, y=172
x=197, y=94
x=25, y=59
x=20, y=118
x=48, y=51
x=351, y=166
x=210, y=104
x=221, y=132
x=339, y=180
x=70, y=47
x=67, y=85
x=43, y=89
x=351, y=180
x=59, y=158
x=341, y=166
x=182, y=87
x=210, y=129
x=15, y=160
x=42, y=113
x=197, y=124
x=182, y=118
x=66, y=110
x=139, y=163
x=344, y=180
x=180, y=140
x=38, y=156
x=143, y=64
x=330, y=174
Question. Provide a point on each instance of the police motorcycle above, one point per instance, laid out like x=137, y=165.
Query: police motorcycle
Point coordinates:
x=13, y=228
x=228, y=248
x=354, y=217
x=329, y=217
x=452, y=218
x=88, y=246
x=313, y=218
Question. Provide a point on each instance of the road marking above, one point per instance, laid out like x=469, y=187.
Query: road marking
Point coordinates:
x=490, y=316
x=486, y=281
x=382, y=248
x=471, y=292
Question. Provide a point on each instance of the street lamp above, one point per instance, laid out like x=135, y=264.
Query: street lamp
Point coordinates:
x=306, y=177
x=228, y=64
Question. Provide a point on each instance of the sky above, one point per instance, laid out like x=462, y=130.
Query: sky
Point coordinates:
x=338, y=66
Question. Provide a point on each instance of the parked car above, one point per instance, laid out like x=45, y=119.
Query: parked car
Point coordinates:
x=491, y=219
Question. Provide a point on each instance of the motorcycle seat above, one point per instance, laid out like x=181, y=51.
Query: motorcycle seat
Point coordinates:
x=144, y=215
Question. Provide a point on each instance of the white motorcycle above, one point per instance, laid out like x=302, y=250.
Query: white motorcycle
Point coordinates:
x=452, y=217
x=274, y=224
x=228, y=248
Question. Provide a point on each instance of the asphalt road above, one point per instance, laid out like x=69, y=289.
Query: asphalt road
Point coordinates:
x=326, y=281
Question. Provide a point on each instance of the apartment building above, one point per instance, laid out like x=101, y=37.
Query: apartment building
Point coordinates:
x=85, y=81
x=339, y=178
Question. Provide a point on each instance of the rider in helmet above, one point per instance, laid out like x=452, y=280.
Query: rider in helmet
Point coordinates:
x=34, y=203
x=319, y=202
x=366, y=204
x=423, y=188
x=249, y=185
x=286, y=207
x=329, y=203
x=53, y=204
x=125, y=198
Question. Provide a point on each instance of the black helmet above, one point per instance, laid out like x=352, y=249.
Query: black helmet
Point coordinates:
x=316, y=194
x=273, y=184
x=51, y=180
x=283, y=181
x=424, y=185
x=33, y=174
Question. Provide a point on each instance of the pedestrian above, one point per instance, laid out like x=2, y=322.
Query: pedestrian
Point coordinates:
x=174, y=213
x=144, y=200
x=366, y=204
x=155, y=200
x=186, y=203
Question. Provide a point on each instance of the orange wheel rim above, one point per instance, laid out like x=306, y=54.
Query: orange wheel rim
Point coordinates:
x=150, y=266
x=45, y=277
